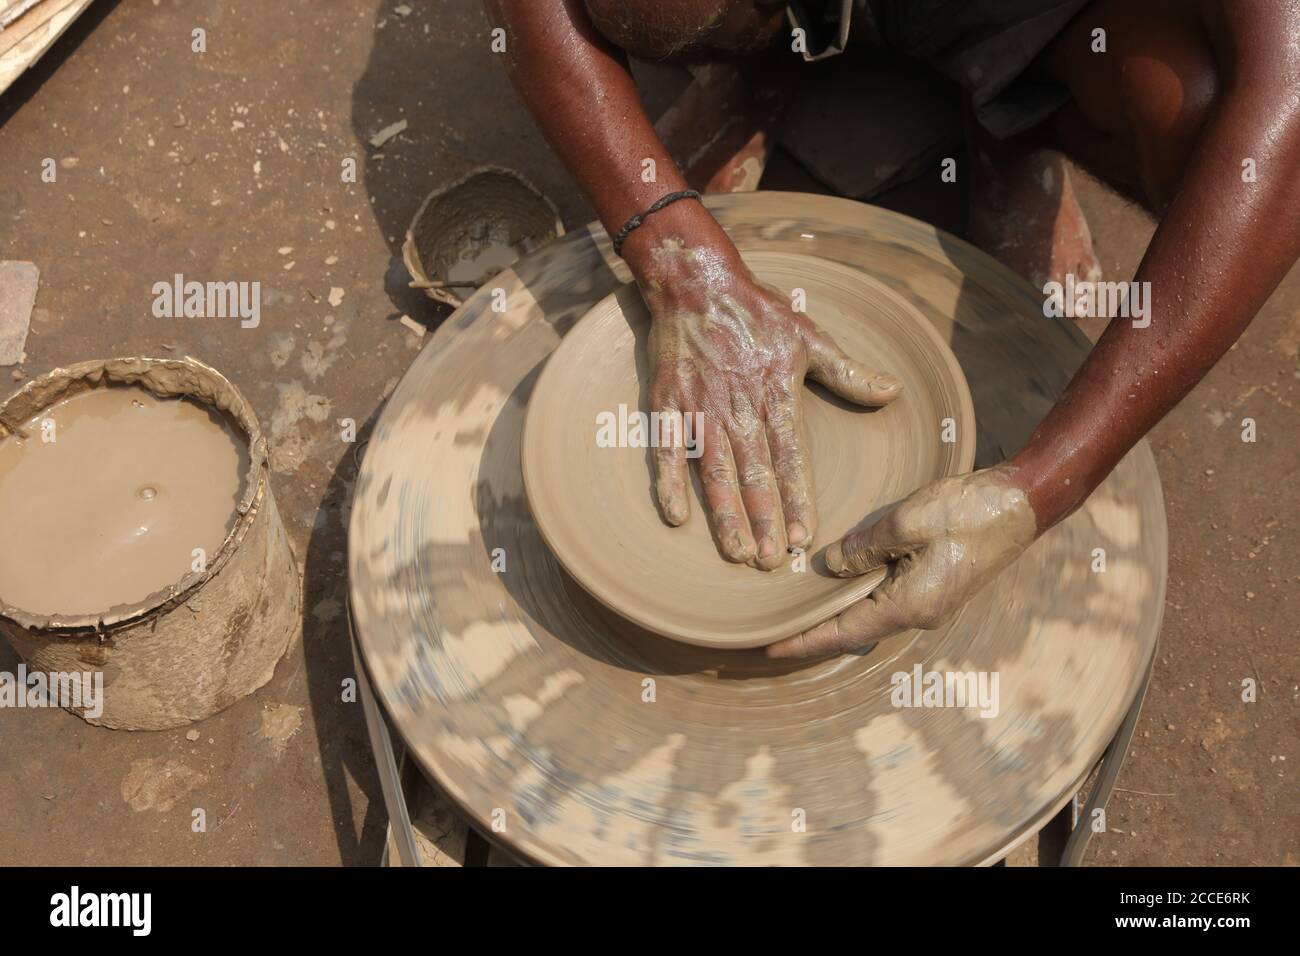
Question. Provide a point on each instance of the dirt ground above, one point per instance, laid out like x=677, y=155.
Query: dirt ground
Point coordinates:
x=226, y=165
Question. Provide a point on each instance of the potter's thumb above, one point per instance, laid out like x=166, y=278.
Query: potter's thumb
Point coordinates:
x=847, y=377
x=859, y=553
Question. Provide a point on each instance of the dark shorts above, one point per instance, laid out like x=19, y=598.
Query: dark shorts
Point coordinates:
x=984, y=46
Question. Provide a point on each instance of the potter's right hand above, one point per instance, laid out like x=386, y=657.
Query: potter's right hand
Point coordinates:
x=942, y=544
x=733, y=350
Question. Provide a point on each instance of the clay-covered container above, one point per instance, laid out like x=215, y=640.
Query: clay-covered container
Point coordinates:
x=210, y=638
x=489, y=204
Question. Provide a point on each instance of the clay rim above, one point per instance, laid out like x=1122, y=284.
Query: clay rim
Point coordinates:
x=420, y=278
x=963, y=462
x=166, y=378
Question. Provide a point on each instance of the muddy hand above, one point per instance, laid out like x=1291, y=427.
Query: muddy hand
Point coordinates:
x=726, y=347
x=943, y=542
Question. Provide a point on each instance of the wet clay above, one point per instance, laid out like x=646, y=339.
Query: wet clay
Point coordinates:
x=735, y=351
x=574, y=736
x=481, y=261
x=108, y=496
x=594, y=504
x=471, y=229
x=969, y=528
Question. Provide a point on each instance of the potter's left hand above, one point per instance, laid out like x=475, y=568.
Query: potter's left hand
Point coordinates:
x=943, y=542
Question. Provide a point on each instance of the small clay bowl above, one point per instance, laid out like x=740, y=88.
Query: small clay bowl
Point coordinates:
x=468, y=231
x=594, y=504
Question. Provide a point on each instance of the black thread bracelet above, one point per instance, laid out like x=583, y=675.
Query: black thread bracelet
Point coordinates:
x=641, y=216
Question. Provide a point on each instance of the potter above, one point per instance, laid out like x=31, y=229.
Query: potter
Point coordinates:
x=112, y=495
x=1191, y=100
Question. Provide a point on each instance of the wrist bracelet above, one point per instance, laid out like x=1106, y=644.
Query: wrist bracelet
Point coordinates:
x=641, y=217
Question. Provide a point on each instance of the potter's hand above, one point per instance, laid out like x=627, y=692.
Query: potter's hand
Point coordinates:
x=945, y=541
x=733, y=350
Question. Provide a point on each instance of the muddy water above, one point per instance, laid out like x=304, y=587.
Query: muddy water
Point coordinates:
x=108, y=496
x=481, y=263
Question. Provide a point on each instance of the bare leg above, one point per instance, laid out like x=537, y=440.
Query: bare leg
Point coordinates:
x=1138, y=109
x=723, y=128
x=1024, y=213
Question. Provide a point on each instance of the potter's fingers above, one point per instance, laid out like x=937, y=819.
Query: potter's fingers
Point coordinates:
x=788, y=443
x=671, y=473
x=861, y=551
x=762, y=498
x=874, y=617
x=722, y=496
x=847, y=377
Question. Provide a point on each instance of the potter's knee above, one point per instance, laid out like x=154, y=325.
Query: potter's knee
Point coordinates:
x=1167, y=99
x=654, y=29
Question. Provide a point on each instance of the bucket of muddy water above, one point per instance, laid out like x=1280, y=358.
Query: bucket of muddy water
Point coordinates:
x=145, y=576
x=468, y=231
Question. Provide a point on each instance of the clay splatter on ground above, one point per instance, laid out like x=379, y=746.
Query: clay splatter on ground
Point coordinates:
x=316, y=361
x=281, y=351
x=293, y=440
x=279, y=724
x=155, y=783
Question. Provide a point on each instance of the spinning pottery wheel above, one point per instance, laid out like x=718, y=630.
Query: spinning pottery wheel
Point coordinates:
x=530, y=703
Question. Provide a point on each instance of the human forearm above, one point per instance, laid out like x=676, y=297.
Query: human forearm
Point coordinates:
x=581, y=93
x=1220, y=250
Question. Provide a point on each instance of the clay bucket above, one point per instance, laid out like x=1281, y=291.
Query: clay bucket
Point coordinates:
x=490, y=203
x=212, y=637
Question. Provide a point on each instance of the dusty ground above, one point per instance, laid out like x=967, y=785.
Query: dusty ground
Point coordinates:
x=226, y=165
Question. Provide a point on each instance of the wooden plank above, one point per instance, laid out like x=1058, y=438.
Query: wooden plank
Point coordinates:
x=27, y=39
x=31, y=22
x=11, y=10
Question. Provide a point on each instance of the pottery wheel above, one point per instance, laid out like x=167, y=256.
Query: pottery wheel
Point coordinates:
x=573, y=736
